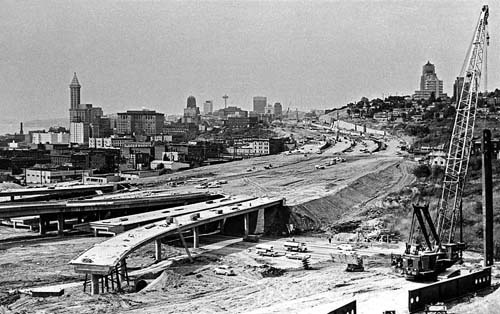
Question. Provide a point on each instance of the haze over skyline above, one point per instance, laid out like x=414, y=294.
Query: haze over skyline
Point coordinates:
x=154, y=54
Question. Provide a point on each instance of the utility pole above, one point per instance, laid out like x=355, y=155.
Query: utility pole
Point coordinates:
x=486, y=149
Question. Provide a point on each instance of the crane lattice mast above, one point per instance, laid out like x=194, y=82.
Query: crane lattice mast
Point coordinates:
x=461, y=139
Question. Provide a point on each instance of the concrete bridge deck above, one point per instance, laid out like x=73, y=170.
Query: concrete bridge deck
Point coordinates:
x=56, y=190
x=55, y=207
x=124, y=223
x=62, y=210
x=103, y=259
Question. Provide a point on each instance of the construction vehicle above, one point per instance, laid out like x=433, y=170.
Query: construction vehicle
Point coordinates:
x=353, y=261
x=295, y=246
x=266, y=250
x=251, y=238
x=297, y=256
x=436, y=309
x=441, y=250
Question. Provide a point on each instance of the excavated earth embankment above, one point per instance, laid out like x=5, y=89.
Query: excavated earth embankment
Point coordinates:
x=349, y=202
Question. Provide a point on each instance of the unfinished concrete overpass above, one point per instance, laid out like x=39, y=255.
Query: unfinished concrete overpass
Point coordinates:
x=64, y=190
x=62, y=210
x=120, y=224
x=106, y=262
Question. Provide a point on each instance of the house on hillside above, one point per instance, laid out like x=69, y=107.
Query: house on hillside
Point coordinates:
x=438, y=161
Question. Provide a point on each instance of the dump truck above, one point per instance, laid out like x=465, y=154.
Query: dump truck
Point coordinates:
x=295, y=246
x=266, y=250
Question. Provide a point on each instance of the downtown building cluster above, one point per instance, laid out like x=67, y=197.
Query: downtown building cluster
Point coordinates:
x=135, y=143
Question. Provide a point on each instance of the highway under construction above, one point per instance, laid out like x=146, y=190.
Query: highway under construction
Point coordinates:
x=337, y=228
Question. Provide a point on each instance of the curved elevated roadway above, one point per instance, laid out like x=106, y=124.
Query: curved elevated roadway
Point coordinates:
x=124, y=223
x=104, y=258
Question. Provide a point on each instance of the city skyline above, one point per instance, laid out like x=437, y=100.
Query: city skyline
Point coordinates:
x=154, y=55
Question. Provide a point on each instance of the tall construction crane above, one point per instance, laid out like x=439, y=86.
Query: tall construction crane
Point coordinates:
x=441, y=249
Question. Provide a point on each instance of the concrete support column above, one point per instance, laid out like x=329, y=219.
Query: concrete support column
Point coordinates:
x=158, y=250
x=123, y=269
x=221, y=225
x=196, y=238
x=60, y=223
x=246, y=222
x=94, y=284
x=12, y=198
x=259, y=228
x=42, y=224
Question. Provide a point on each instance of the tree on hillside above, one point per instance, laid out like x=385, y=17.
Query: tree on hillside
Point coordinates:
x=422, y=171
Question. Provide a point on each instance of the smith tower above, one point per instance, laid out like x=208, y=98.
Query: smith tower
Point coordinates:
x=74, y=92
x=84, y=120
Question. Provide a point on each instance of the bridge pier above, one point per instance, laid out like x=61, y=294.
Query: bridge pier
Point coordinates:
x=158, y=250
x=221, y=225
x=94, y=284
x=60, y=224
x=259, y=227
x=42, y=224
x=246, y=222
x=123, y=268
x=196, y=238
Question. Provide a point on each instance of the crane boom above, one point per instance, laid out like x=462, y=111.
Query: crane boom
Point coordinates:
x=461, y=139
x=444, y=251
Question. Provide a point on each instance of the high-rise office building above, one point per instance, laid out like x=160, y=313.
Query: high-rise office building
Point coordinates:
x=191, y=102
x=74, y=87
x=278, y=110
x=259, y=104
x=84, y=119
x=140, y=122
x=457, y=87
x=429, y=83
x=208, y=107
x=191, y=112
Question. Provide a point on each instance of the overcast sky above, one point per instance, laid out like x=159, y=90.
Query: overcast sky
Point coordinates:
x=154, y=54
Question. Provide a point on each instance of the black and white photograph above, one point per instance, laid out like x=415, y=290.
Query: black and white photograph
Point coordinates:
x=251, y=156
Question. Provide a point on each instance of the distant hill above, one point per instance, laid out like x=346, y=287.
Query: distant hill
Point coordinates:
x=12, y=126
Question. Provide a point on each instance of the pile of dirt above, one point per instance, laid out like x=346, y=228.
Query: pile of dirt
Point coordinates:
x=270, y=271
x=166, y=281
x=8, y=298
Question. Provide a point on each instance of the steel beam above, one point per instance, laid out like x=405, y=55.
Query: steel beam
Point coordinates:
x=349, y=308
x=487, y=149
x=449, y=289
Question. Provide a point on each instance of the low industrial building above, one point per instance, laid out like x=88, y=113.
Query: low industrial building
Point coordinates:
x=42, y=175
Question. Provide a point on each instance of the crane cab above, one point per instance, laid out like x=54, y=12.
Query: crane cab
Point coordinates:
x=426, y=265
